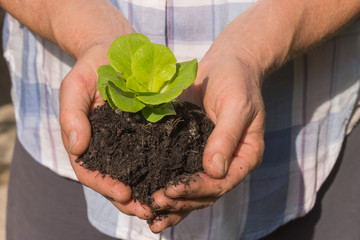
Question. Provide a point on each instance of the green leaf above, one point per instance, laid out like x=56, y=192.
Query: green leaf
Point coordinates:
x=143, y=76
x=109, y=100
x=159, y=98
x=107, y=74
x=184, y=77
x=135, y=85
x=122, y=50
x=153, y=65
x=154, y=114
x=123, y=100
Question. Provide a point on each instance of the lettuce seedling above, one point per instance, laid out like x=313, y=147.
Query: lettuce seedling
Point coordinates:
x=143, y=76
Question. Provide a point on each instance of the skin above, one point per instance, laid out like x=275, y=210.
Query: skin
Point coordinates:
x=228, y=85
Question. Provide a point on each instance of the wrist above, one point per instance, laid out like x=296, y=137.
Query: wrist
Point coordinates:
x=77, y=27
x=262, y=37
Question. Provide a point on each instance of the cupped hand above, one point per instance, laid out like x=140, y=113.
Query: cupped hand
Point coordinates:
x=78, y=97
x=230, y=92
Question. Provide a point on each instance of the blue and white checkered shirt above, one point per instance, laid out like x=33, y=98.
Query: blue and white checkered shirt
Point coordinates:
x=308, y=103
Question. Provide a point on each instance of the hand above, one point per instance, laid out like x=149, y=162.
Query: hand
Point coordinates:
x=232, y=99
x=78, y=97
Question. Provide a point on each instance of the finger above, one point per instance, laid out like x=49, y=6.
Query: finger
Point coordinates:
x=164, y=203
x=77, y=96
x=204, y=186
x=247, y=158
x=251, y=148
x=133, y=208
x=233, y=115
x=160, y=223
x=199, y=186
x=105, y=185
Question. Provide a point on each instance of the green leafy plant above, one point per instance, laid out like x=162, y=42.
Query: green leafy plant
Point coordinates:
x=143, y=76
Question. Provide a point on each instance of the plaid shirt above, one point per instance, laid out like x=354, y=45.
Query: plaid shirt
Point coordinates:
x=308, y=104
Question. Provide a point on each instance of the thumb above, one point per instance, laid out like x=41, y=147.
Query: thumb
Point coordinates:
x=231, y=121
x=76, y=95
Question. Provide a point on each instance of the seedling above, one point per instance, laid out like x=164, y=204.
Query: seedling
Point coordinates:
x=143, y=76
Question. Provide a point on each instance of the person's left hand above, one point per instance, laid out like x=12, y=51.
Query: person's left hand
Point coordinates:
x=230, y=90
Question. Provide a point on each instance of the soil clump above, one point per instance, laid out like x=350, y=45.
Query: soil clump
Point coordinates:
x=147, y=156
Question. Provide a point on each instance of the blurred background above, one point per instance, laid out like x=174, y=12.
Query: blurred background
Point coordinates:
x=7, y=133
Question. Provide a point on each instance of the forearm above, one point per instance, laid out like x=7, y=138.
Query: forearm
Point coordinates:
x=272, y=31
x=73, y=25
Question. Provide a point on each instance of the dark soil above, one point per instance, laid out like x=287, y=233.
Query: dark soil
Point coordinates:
x=147, y=156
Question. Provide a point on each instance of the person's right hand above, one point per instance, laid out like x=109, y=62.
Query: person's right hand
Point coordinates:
x=78, y=97
x=84, y=30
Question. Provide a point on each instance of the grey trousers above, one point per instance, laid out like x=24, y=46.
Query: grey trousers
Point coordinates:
x=43, y=206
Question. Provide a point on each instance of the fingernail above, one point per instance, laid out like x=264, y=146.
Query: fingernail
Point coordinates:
x=219, y=163
x=72, y=139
